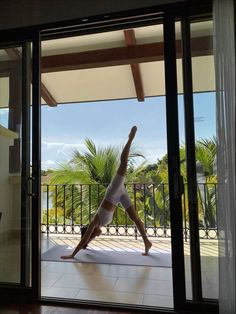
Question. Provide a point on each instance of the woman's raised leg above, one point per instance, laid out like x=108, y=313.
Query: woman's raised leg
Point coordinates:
x=125, y=153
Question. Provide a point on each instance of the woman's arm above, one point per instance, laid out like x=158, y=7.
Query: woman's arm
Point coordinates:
x=85, y=239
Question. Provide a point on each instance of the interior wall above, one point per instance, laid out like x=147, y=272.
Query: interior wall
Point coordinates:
x=7, y=192
x=20, y=13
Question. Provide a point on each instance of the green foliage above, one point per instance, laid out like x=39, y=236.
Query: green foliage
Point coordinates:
x=77, y=187
x=99, y=164
x=205, y=152
x=54, y=216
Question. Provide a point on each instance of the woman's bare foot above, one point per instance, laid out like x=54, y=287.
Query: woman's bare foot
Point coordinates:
x=148, y=245
x=132, y=132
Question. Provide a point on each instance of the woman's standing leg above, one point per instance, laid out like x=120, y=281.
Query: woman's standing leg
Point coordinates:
x=127, y=204
x=125, y=200
x=139, y=224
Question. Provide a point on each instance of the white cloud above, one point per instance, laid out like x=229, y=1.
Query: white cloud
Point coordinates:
x=54, y=153
x=57, y=152
x=61, y=144
x=49, y=145
x=67, y=149
x=70, y=147
x=48, y=164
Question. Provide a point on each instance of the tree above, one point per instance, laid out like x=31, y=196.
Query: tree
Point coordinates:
x=152, y=195
x=87, y=173
x=205, y=151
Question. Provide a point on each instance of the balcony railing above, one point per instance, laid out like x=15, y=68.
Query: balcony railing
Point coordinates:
x=65, y=208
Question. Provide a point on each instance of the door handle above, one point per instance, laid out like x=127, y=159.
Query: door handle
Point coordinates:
x=30, y=186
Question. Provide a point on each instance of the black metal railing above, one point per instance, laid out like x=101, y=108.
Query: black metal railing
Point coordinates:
x=65, y=208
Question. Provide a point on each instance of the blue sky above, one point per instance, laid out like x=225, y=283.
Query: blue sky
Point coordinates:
x=65, y=127
x=106, y=123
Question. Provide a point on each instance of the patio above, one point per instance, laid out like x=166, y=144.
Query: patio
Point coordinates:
x=139, y=285
x=126, y=243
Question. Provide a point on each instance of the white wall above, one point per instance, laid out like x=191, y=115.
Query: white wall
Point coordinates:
x=8, y=191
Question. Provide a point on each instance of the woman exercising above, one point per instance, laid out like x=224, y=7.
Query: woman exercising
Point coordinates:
x=115, y=193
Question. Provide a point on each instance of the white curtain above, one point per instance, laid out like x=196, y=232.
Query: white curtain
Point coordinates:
x=224, y=45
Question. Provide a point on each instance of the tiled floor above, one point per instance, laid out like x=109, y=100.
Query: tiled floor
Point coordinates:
x=108, y=283
x=139, y=285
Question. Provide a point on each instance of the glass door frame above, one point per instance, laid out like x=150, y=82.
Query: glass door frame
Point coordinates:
x=144, y=17
x=29, y=285
x=198, y=301
x=36, y=164
x=175, y=195
x=175, y=179
x=168, y=18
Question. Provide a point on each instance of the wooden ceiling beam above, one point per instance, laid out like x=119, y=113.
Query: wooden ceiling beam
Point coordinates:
x=130, y=41
x=47, y=96
x=102, y=58
x=14, y=54
x=201, y=46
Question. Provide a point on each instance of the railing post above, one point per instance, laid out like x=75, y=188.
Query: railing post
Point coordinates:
x=135, y=207
x=81, y=205
x=72, y=208
x=164, y=208
x=64, y=208
x=89, y=203
x=116, y=219
x=205, y=210
x=185, y=217
x=216, y=202
x=47, y=210
x=154, y=208
x=56, y=227
x=144, y=201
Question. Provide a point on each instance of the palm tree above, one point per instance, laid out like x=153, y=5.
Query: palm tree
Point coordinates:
x=206, y=155
x=152, y=195
x=205, y=151
x=99, y=164
x=95, y=165
x=89, y=172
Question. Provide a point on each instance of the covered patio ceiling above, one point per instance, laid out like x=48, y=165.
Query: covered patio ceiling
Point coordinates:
x=114, y=65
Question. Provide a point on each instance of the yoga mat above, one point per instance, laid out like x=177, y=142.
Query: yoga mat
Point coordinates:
x=107, y=257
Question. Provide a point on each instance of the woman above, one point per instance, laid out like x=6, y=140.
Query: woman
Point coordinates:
x=115, y=193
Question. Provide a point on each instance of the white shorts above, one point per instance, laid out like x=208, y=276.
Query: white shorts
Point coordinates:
x=116, y=192
x=105, y=216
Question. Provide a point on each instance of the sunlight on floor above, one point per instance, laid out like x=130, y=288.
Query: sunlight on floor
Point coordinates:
x=139, y=285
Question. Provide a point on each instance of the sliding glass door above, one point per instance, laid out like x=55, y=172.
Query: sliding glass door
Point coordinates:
x=18, y=185
x=191, y=126
x=181, y=40
x=197, y=128
x=183, y=48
